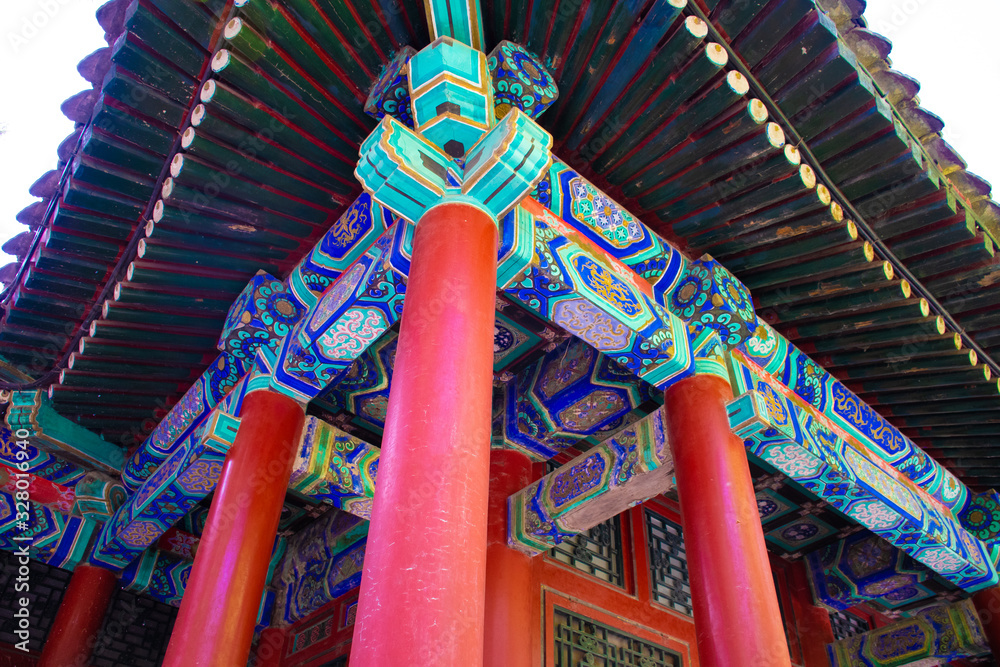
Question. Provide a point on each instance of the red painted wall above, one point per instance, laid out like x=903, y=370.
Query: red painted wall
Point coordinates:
x=327, y=632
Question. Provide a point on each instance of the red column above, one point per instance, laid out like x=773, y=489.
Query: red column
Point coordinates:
x=423, y=586
x=987, y=603
x=814, y=627
x=215, y=624
x=75, y=631
x=510, y=583
x=737, y=619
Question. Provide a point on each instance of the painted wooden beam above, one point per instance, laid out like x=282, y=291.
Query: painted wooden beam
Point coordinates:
x=31, y=411
x=461, y=20
x=621, y=472
x=785, y=432
x=336, y=468
x=940, y=633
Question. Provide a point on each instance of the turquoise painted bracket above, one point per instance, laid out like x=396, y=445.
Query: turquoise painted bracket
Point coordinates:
x=451, y=95
x=462, y=20
x=795, y=441
x=31, y=411
x=403, y=172
x=408, y=175
x=98, y=497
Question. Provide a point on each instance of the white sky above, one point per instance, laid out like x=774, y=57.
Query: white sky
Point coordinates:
x=41, y=42
x=945, y=44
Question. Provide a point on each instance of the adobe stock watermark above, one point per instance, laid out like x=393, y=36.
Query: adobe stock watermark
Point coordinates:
x=21, y=481
x=34, y=21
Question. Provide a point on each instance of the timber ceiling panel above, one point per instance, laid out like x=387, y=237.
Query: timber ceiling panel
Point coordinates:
x=758, y=135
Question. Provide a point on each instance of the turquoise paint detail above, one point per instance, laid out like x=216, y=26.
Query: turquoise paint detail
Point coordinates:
x=403, y=171
x=790, y=439
x=459, y=19
x=506, y=164
x=451, y=95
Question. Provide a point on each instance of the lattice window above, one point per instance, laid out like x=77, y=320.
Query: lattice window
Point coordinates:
x=598, y=552
x=580, y=641
x=845, y=624
x=312, y=635
x=668, y=563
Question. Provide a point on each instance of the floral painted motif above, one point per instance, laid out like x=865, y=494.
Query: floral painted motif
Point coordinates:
x=578, y=480
x=590, y=323
x=982, y=516
x=352, y=333
x=792, y=460
x=520, y=81
x=599, y=212
x=800, y=532
x=201, y=476
x=140, y=534
x=712, y=296
x=619, y=295
x=873, y=514
x=941, y=560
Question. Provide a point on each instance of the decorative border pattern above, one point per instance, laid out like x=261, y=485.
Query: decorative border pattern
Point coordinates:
x=796, y=441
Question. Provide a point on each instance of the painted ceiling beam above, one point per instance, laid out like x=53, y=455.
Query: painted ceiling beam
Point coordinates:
x=889, y=576
x=785, y=432
x=176, y=487
x=937, y=634
x=30, y=411
x=336, y=468
x=623, y=471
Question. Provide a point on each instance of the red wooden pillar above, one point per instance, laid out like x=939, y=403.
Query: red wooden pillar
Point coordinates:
x=987, y=603
x=814, y=628
x=510, y=581
x=422, y=592
x=737, y=619
x=75, y=631
x=215, y=624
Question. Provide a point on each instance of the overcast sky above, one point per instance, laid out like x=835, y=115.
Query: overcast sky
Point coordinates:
x=946, y=44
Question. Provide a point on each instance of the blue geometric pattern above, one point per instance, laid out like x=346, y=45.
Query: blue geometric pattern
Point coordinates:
x=795, y=442
x=771, y=352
